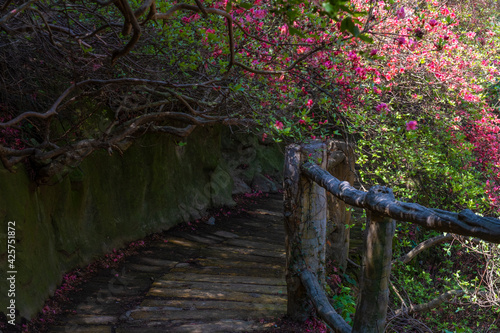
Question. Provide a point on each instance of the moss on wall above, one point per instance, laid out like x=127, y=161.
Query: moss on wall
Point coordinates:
x=103, y=204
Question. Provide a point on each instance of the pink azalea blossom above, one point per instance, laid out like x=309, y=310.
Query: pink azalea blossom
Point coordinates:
x=433, y=23
x=381, y=106
x=411, y=125
x=278, y=125
x=471, y=34
x=400, y=13
x=284, y=29
x=309, y=103
x=373, y=52
x=302, y=122
x=412, y=44
x=259, y=14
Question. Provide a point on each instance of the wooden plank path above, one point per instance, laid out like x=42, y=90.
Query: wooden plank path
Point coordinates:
x=219, y=278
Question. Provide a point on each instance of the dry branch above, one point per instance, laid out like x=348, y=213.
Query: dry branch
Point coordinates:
x=431, y=304
x=15, y=11
x=54, y=108
x=423, y=246
x=130, y=18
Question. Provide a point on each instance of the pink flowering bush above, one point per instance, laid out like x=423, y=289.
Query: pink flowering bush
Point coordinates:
x=397, y=95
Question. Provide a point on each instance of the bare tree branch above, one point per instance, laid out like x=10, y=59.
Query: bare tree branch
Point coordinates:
x=181, y=132
x=123, y=81
x=142, y=9
x=200, y=5
x=130, y=18
x=15, y=11
x=431, y=304
x=423, y=246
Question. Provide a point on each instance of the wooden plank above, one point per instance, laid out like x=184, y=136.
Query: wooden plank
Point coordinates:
x=257, y=252
x=181, y=326
x=201, y=315
x=265, y=212
x=189, y=304
x=156, y=261
x=216, y=295
x=197, y=238
x=189, y=276
x=225, y=234
x=225, y=263
x=240, y=287
x=257, y=245
x=93, y=319
x=226, y=255
x=74, y=328
x=229, y=271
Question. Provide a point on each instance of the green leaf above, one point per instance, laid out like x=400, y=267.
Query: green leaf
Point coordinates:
x=229, y=5
x=343, y=25
x=346, y=9
x=355, y=31
x=365, y=38
x=329, y=8
x=294, y=31
x=246, y=5
x=359, y=14
x=350, y=24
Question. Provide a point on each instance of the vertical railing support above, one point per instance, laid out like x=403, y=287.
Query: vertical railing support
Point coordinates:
x=305, y=225
x=371, y=310
x=340, y=165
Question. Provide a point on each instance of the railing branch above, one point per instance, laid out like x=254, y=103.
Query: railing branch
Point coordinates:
x=321, y=304
x=381, y=200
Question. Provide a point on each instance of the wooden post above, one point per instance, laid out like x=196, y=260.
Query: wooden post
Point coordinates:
x=371, y=310
x=305, y=225
x=340, y=165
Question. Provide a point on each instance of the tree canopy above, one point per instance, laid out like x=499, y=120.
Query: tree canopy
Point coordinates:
x=412, y=82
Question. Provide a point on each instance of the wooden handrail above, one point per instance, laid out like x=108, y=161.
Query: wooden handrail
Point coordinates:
x=380, y=199
x=306, y=188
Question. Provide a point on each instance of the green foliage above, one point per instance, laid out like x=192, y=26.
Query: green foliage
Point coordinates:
x=426, y=165
x=334, y=9
x=469, y=266
x=345, y=303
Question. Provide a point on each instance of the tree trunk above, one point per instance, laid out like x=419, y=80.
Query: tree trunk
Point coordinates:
x=341, y=166
x=371, y=310
x=305, y=225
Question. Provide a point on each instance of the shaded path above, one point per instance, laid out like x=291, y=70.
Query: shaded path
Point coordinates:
x=218, y=278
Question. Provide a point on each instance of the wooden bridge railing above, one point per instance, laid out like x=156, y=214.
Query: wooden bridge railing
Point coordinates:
x=307, y=186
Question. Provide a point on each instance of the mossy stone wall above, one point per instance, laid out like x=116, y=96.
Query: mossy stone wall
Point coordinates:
x=106, y=202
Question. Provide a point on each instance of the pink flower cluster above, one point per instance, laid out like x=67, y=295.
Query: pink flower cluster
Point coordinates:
x=484, y=134
x=411, y=125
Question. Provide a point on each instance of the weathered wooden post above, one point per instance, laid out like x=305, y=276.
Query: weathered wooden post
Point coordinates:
x=340, y=164
x=371, y=310
x=305, y=225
